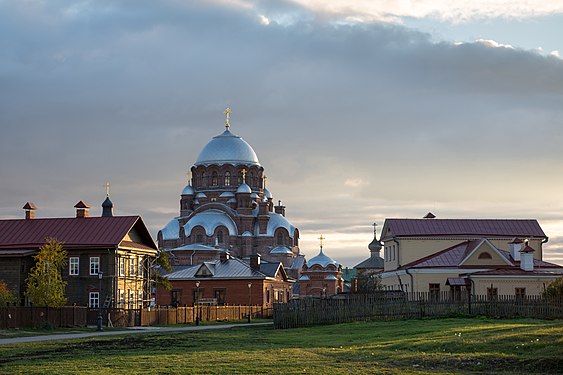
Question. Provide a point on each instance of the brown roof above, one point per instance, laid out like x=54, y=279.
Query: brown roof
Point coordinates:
x=73, y=232
x=463, y=227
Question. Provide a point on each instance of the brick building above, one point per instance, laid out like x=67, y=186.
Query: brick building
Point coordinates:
x=321, y=276
x=226, y=207
x=227, y=281
x=112, y=251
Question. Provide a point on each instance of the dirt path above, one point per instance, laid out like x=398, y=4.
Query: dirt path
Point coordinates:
x=127, y=331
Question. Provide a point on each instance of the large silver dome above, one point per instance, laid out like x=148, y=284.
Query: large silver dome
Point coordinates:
x=227, y=148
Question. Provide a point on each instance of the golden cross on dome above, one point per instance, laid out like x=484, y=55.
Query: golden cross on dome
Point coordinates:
x=322, y=238
x=189, y=175
x=227, y=117
x=244, y=175
x=374, y=229
x=265, y=178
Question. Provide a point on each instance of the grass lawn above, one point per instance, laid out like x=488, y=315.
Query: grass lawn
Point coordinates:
x=461, y=345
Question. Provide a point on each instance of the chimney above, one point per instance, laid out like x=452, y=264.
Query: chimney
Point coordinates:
x=224, y=256
x=280, y=209
x=81, y=209
x=527, y=259
x=514, y=248
x=29, y=210
x=255, y=262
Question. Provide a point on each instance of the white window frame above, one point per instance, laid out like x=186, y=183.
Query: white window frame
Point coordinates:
x=132, y=262
x=94, y=300
x=140, y=266
x=94, y=265
x=121, y=266
x=74, y=266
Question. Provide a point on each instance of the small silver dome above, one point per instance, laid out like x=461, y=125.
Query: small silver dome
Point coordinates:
x=244, y=188
x=188, y=190
x=267, y=194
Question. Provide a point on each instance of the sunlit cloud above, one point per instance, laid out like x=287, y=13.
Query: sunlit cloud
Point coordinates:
x=443, y=10
x=493, y=44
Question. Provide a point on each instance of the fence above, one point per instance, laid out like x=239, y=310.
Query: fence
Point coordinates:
x=308, y=312
x=39, y=317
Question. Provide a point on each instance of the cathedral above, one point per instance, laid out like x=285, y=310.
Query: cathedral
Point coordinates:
x=226, y=208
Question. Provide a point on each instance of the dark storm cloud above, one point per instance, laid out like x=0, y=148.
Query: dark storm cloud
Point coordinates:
x=370, y=120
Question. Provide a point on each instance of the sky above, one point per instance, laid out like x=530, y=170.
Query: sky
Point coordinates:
x=358, y=110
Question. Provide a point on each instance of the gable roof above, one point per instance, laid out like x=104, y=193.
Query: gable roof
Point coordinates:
x=478, y=245
x=230, y=269
x=454, y=256
x=371, y=262
x=462, y=227
x=73, y=232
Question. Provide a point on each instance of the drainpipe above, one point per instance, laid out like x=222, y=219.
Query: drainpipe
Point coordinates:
x=399, y=266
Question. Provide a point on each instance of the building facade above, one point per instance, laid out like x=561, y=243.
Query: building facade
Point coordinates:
x=321, y=276
x=481, y=256
x=226, y=207
x=227, y=281
x=109, y=257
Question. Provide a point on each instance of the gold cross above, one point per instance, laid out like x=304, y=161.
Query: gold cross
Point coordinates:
x=265, y=178
x=244, y=175
x=189, y=175
x=374, y=229
x=322, y=238
x=227, y=117
x=107, y=188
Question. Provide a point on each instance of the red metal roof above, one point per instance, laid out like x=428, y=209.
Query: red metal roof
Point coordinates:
x=463, y=227
x=73, y=232
x=518, y=271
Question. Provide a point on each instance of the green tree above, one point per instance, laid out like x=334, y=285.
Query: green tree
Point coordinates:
x=162, y=263
x=555, y=289
x=6, y=295
x=45, y=285
x=368, y=282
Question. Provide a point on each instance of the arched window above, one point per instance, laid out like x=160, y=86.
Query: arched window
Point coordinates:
x=279, y=238
x=252, y=184
x=214, y=179
x=201, y=180
x=220, y=237
x=484, y=255
x=227, y=178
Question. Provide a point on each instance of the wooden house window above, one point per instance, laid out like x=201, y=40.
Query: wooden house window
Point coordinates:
x=94, y=265
x=121, y=266
x=94, y=300
x=73, y=266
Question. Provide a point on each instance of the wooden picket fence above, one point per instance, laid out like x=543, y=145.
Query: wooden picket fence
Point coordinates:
x=309, y=312
x=78, y=316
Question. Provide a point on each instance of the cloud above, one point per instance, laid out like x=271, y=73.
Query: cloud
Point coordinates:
x=450, y=11
x=353, y=122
